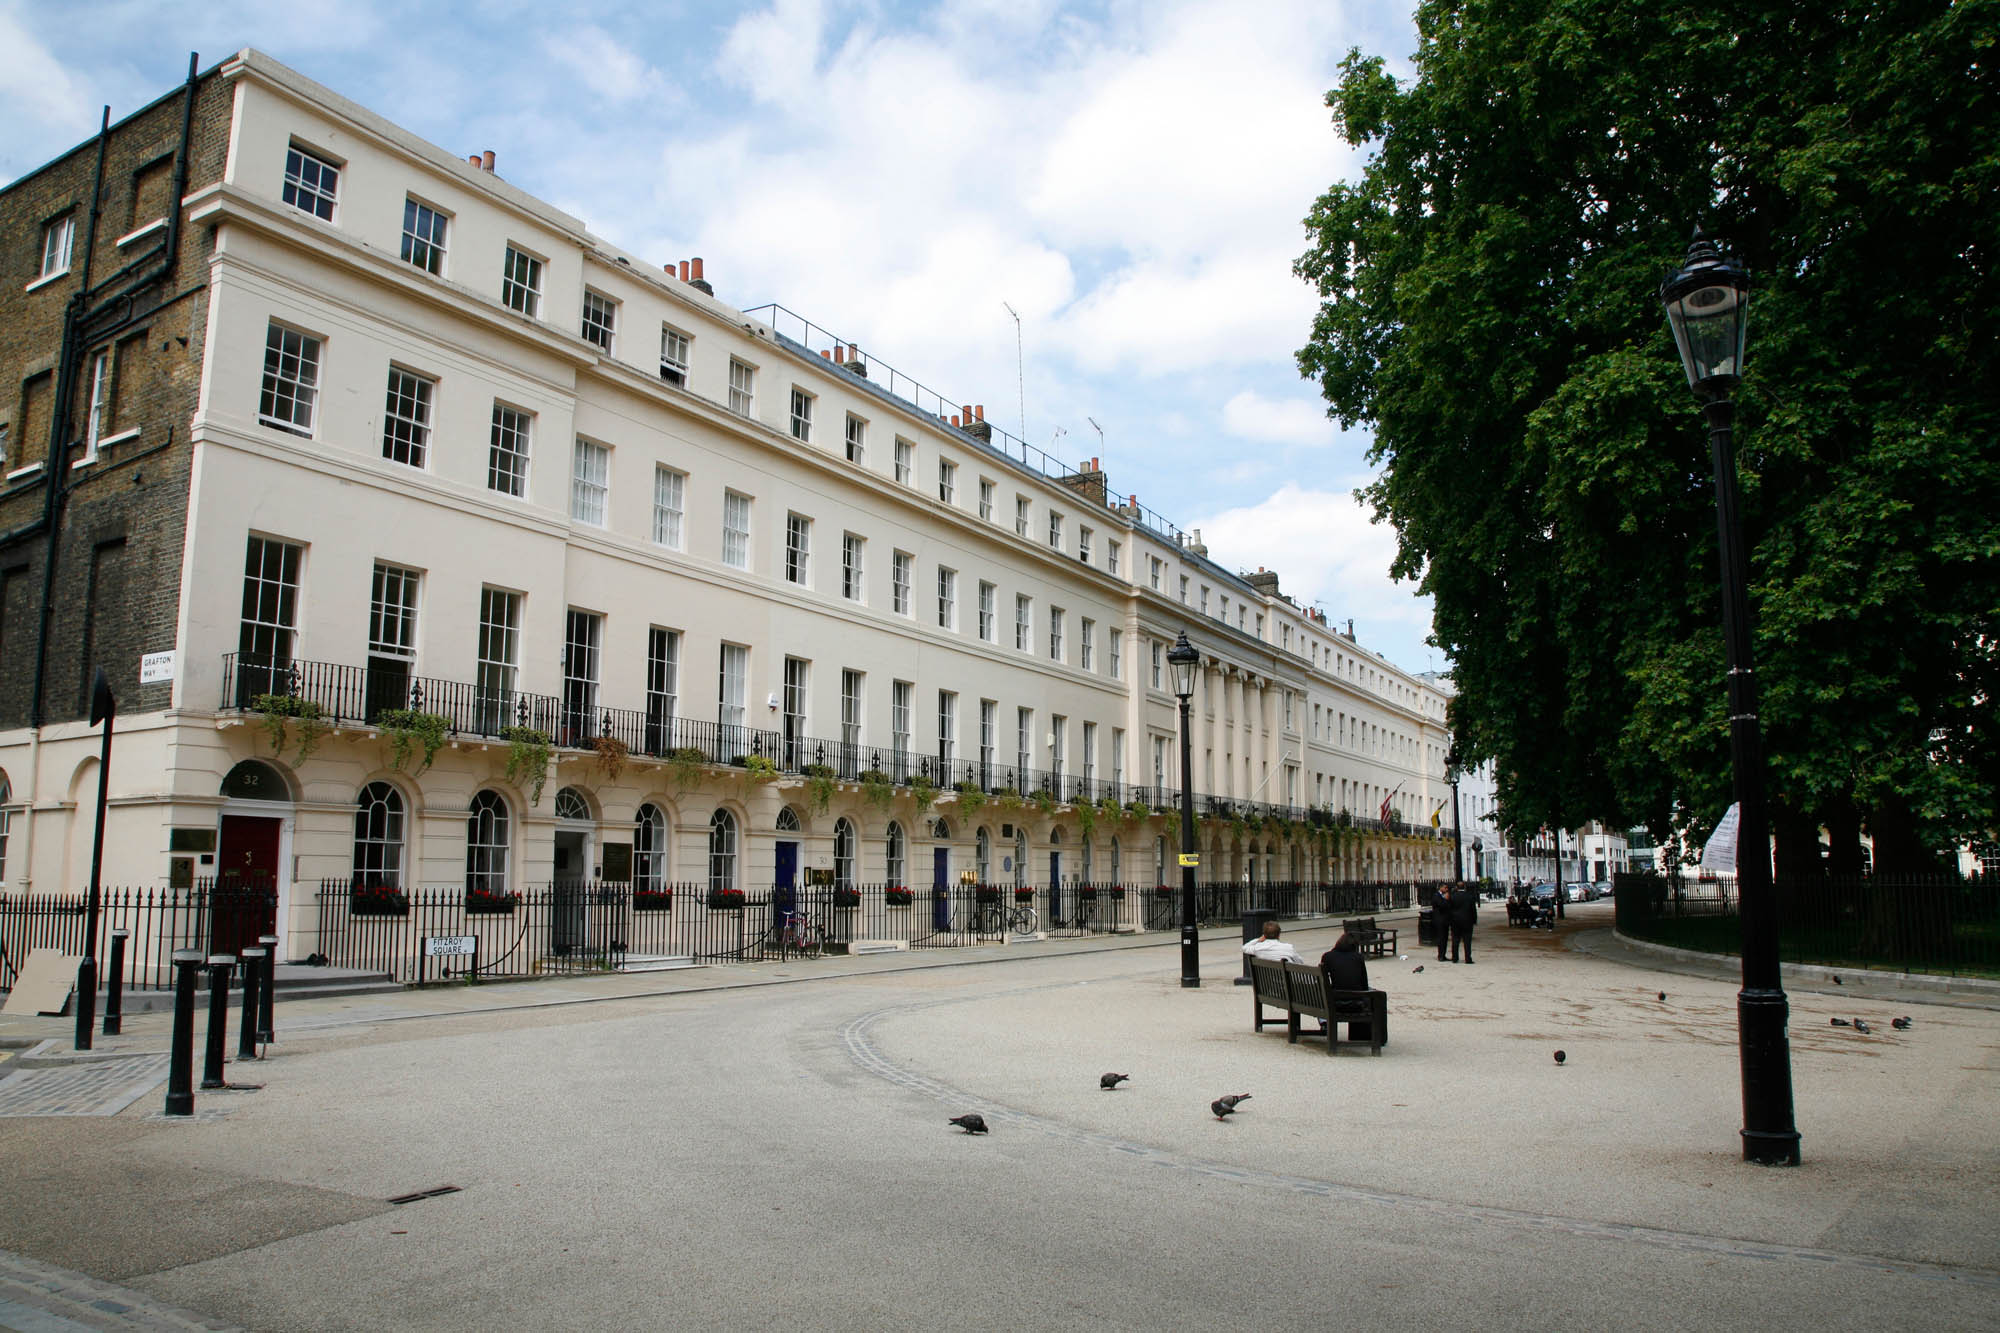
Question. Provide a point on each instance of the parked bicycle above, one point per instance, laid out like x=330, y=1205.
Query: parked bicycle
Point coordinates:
x=794, y=933
x=1003, y=918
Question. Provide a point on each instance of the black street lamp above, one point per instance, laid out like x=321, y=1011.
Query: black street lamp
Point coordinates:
x=103, y=708
x=1707, y=302
x=1186, y=663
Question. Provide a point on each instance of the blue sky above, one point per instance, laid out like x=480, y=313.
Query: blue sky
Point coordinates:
x=1130, y=177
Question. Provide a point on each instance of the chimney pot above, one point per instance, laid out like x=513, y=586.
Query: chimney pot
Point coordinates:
x=839, y=355
x=979, y=411
x=684, y=270
x=697, y=268
x=826, y=354
x=486, y=160
x=853, y=352
x=473, y=159
x=965, y=411
x=954, y=420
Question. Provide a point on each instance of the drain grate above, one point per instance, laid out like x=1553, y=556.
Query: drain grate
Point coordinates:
x=425, y=1194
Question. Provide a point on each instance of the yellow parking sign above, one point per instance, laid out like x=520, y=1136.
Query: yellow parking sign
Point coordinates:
x=1190, y=859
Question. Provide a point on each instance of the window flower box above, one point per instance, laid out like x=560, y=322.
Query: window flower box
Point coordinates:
x=986, y=893
x=653, y=900
x=380, y=900
x=847, y=897
x=1087, y=893
x=1116, y=893
x=485, y=902
x=1163, y=892
x=896, y=896
x=726, y=900
x=1024, y=895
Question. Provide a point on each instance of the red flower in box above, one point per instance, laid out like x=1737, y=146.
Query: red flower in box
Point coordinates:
x=378, y=900
x=1024, y=895
x=653, y=900
x=725, y=899
x=846, y=897
x=896, y=895
x=487, y=900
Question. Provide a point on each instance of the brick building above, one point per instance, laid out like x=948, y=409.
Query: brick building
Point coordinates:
x=361, y=441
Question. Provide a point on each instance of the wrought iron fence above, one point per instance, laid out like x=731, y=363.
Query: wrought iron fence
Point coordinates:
x=207, y=916
x=1938, y=923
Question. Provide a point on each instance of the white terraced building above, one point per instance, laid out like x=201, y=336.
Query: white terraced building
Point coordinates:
x=455, y=457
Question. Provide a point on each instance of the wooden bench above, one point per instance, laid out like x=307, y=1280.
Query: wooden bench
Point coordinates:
x=1300, y=989
x=1373, y=939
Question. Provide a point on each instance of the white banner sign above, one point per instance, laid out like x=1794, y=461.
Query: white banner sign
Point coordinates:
x=156, y=667
x=1719, y=852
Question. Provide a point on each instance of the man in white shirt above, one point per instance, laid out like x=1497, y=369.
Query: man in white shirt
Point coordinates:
x=1269, y=946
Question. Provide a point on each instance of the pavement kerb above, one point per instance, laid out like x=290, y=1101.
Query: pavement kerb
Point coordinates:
x=1905, y=987
x=500, y=997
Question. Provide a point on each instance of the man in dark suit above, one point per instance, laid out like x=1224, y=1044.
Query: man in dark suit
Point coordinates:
x=1464, y=912
x=1441, y=918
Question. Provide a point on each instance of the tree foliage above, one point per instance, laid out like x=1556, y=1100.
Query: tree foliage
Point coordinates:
x=1489, y=306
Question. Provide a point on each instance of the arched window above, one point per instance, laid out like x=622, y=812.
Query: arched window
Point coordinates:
x=571, y=804
x=843, y=854
x=896, y=870
x=941, y=831
x=649, y=850
x=255, y=780
x=1021, y=858
x=378, y=837
x=722, y=851
x=487, y=840
x=982, y=855
x=788, y=820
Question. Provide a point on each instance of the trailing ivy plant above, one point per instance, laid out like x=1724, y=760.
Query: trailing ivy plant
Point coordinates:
x=278, y=709
x=1139, y=810
x=1086, y=818
x=611, y=755
x=971, y=796
x=1008, y=798
x=819, y=788
x=684, y=767
x=407, y=728
x=759, y=769
x=924, y=790
x=1111, y=808
x=876, y=789
x=528, y=751
x=1045, y=801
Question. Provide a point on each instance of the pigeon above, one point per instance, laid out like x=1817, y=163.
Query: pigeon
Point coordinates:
x=1561, y=1056
x=1418, y=968
x=1900, y=1024
x=1837, y=981
x=1110, y=1082
x=971, y=1123
x=1840, y=1022
x=1222, y=1106
x=1862, y=1027
x=1663, y=997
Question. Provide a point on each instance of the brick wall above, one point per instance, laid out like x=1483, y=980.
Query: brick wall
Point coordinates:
x=123, y=515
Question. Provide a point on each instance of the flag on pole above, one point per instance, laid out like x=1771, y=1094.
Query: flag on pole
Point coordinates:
x=1434, y=815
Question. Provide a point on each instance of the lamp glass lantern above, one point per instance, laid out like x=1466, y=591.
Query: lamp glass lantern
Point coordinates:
x=1708, y=304
x=1185, y=664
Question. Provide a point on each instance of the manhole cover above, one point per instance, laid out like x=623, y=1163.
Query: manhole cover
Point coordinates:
x=103, y=1088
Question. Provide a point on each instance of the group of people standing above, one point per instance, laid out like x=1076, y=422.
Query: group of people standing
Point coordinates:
x=1454, y=911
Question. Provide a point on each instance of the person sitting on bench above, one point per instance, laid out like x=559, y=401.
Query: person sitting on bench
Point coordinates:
x=1269, y=946
x=1346, y=970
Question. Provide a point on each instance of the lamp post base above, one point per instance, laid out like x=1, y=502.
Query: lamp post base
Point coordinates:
x=1770, y=1137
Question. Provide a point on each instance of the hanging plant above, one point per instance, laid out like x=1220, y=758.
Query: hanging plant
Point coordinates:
x=611, y=756
x=819, y=788
x=1111, y=808
x=1139, y=810
x=1008, y=798
x=924, y=790
x=684, y=767
x=528, y=751
x=759, y=769
x=971, y=796
x=278, y=709
x=876, y=789
x=1045, y=801
x=406, y=729
x=1086, y=818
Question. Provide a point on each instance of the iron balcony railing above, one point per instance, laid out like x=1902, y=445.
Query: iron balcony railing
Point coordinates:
x=355, y=695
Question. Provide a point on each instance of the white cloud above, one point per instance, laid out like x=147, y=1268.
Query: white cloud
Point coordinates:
x=1327, y=553
x=603, y=66
x=39, y=94
x=1298, y=421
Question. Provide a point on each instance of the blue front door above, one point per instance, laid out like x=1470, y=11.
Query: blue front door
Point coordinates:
x=941, y=888
x=785, y=883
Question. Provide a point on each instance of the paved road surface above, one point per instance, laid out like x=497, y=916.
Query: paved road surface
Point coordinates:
x=777, y=1157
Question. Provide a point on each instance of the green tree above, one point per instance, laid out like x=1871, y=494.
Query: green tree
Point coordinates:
x=1488, y=307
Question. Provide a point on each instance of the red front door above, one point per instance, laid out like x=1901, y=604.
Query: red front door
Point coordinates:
x=245, y=902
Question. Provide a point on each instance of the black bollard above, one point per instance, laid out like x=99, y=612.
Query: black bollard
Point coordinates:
x=114, y=985
x=253, y=977
x=219, y=965
x=265, y=1033
x=180, y=1056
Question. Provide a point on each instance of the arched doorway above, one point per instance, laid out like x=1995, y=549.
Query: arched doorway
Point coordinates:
x=253, y=851
x=785, y=867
